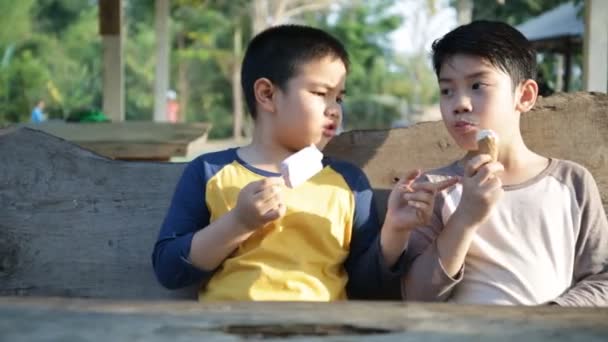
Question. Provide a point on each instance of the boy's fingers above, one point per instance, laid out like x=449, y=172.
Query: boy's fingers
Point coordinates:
x=266, y=207
x=268, y=183
x=275, y=213
x=420, y=196
x=422, y=210
x=271, y=215
x=488, y=171
x=440, y=186
x=475, y=163
x=419, y=205
x=409, y=177
x=491, y=184
x=434, y=187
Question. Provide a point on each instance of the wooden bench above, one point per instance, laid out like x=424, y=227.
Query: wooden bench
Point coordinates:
x=74, y=224
x=130, y=140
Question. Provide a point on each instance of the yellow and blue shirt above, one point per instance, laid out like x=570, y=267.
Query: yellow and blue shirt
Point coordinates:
x=326, y=247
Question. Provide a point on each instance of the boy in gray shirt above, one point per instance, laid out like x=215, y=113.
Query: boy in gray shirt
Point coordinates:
x=520, y=230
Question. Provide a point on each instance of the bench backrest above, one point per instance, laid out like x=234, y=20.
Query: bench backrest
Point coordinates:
x=75, y=224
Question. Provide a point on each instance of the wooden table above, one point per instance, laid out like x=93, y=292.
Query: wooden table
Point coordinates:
x=129, y=140
x=61, y=319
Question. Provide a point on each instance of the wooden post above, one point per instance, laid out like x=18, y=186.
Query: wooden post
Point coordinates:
x=559, y=71
x=237, y=91
x=568, y=65
x=110, y=28
x=161, y=82
x=595, y=46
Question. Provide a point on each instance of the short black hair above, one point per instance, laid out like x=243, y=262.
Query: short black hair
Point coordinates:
x=503, y=46
x=277, y=52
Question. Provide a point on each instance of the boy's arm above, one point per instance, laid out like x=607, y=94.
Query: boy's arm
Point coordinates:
x=189, y=248
x=590, y=278
x=370, y=277
x=187, y=214
x=427, y=278
x=439, y=261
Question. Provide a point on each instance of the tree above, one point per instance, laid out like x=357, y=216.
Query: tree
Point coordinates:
x=364, y=28
x=47, y=54
x=513, y=12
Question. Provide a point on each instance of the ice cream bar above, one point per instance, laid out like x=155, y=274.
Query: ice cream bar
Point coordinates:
x=487, y=143
x=300, y=166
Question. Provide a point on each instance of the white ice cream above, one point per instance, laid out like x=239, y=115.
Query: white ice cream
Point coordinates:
x=300, y=166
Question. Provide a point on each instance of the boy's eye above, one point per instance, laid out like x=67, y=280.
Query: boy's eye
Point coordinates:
x=319, y=93
x=340, y=99
x=445, y=91
x=477, y=85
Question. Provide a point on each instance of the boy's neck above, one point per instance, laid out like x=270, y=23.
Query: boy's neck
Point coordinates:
x=264, y=152
x=520, y=163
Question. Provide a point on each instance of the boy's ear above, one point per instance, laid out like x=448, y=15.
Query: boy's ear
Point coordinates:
x=527, y=95
x=263, y=90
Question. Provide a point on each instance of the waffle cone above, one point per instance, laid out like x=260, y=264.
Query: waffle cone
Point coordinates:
x=488, y=145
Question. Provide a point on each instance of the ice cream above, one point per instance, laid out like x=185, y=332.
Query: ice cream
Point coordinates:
x=300, y=166
x=487, y=143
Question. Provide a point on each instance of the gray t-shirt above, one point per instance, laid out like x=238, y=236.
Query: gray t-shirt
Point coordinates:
x=545, y=241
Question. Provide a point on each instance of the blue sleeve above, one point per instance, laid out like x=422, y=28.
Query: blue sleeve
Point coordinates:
x=187, y=214
x=369, y=276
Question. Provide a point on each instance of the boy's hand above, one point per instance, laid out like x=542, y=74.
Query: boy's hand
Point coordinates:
x=410, y=204
x=260, y=202
x=481, y=189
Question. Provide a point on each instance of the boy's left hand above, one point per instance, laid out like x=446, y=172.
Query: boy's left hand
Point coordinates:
x=410, y=204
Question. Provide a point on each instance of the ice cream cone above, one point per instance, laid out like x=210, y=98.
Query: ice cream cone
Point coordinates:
x=487, y=143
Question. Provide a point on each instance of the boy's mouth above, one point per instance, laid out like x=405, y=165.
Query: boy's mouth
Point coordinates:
x=463, y=124
x=329, y=130
x=466, y=122
x=464, y=127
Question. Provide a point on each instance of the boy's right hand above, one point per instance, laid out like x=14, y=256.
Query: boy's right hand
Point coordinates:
x=481, y=189
x=260, y=202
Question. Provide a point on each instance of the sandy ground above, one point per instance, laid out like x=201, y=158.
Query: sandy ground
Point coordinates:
x=198, y=147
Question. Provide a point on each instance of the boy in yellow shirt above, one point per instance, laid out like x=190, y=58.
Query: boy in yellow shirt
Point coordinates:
x=234, y=227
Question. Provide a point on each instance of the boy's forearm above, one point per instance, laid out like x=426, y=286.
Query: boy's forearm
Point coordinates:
x=453, y=243
x=392, y=244
x=213, y=244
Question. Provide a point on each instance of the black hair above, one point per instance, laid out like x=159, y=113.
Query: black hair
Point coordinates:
x=277, y=52
x=503, y=46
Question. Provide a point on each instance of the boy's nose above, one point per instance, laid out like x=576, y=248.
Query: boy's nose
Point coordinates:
x=333, y=111
x=463, y=105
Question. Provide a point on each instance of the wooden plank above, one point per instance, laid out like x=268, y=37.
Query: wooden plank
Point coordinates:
x=75, y=224
x=570, y=126
x=129, y=140
x=28, y=319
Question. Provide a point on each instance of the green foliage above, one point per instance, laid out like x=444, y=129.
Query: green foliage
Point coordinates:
x=364, y=28
x=513, y=12
x=14, y=20
x=516, y=12
x=21, y=85
x=51, y=50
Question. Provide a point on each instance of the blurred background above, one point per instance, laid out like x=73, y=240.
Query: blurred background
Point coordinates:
x=179, y=60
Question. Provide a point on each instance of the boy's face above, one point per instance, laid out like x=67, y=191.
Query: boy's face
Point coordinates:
x=475, y=95
x=308, y=110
